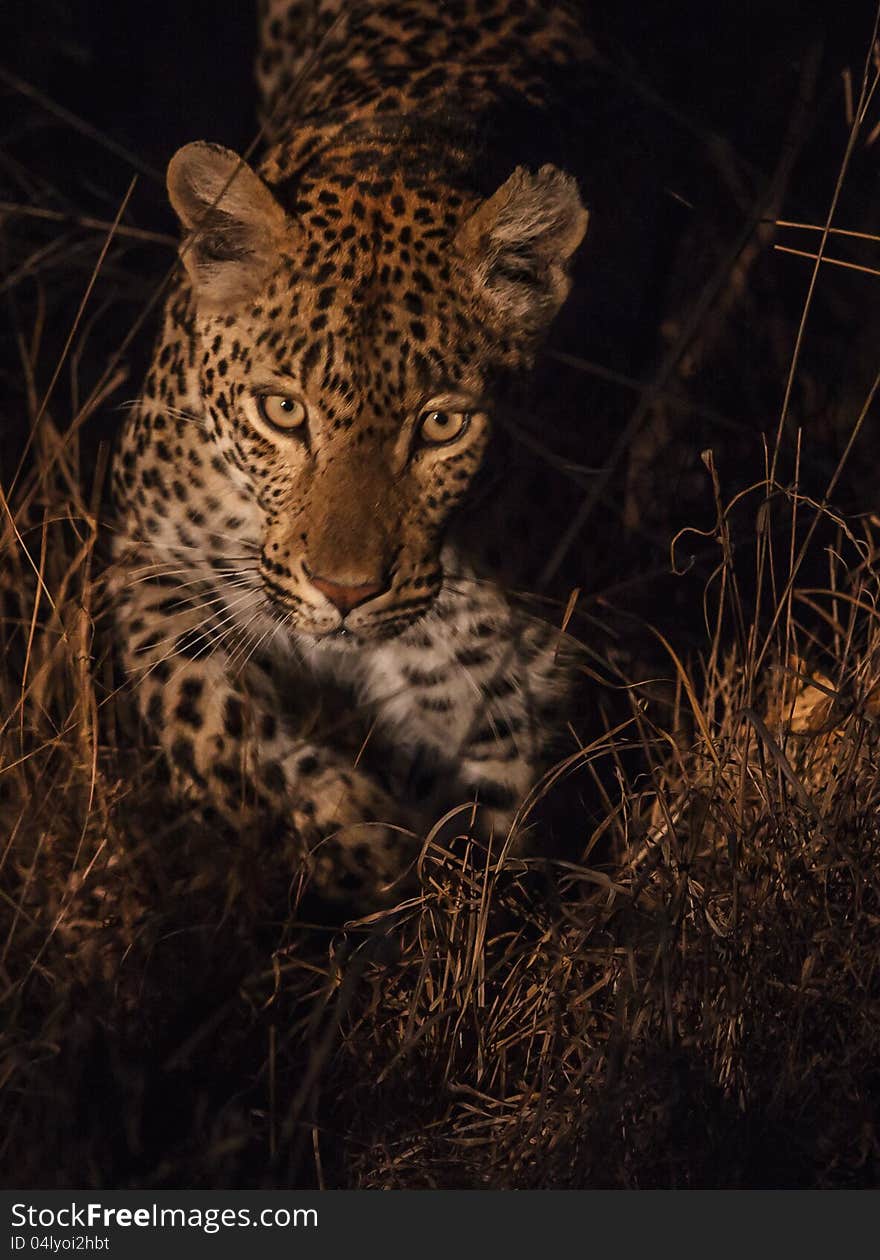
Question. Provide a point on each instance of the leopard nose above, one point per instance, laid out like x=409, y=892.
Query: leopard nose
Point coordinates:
x=345, y=595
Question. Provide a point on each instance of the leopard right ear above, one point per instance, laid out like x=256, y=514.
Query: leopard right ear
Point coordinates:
x=518, y=246
x=234, y=225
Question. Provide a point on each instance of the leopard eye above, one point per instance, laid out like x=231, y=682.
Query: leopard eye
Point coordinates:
x=437, y=428
x=281, y=411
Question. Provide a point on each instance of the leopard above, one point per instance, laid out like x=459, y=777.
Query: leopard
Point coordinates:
x=346, y=313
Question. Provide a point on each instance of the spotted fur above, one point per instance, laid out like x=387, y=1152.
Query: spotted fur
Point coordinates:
x=285, y=501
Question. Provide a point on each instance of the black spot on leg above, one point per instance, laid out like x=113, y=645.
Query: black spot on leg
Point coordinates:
x=432, y=704
x=187, y=710
x=274, y=778
x=363, y=856
x=472, y=656
x=191, y=644
x=183, y=758
x=233, y=717
x=227, y=774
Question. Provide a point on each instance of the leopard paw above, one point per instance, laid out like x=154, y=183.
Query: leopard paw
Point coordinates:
x=357, y=839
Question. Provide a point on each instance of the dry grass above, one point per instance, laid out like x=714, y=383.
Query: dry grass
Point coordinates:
x=688, y=996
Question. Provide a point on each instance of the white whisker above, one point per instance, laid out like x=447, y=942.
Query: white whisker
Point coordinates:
x=188, y=631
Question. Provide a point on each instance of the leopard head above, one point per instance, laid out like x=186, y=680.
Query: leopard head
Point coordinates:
x=350, y=331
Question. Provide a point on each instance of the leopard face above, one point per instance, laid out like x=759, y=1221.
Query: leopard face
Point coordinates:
x=350, y=334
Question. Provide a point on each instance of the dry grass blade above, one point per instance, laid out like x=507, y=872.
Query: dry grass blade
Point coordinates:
x=831, y=262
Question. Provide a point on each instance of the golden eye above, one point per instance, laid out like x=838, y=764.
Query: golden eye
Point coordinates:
x=439, y=427
x=281, y=412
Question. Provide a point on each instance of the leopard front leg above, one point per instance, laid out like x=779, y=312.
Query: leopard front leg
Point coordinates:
x=517, y=685
x=227, y=742
x=481, y=690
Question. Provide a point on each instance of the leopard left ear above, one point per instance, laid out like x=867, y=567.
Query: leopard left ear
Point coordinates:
x=234, y=224
x=518, y=245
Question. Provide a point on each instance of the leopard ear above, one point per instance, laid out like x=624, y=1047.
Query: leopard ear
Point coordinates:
x=518, y=245
x=234, y=225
